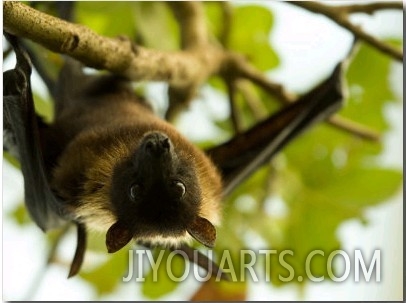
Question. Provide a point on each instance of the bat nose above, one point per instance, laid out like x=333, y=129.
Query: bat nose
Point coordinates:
x=157, y=143
x=156, y=157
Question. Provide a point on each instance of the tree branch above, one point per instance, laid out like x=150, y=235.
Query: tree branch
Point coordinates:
x=370, y=8
x=340, y=15
x=194, y=38
x=190, y=16
x=239, y=67
x=235, y=118
x=119, y=56
x=354, y=128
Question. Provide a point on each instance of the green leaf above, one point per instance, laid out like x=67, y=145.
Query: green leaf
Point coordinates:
x=243, y=213
x=20, y=215
x=311, y=225
x=10, y=159
x=96, y=241
x=106, y=277
x=218, y=84
x=107, y=18
x=364, y=187
x=168, y=265
x=214, y=17
x=369, y=87
x=43, y=108
x=326, y=176
x=249, y=35
x=156, y=25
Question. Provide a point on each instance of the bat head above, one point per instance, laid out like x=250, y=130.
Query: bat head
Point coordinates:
x=155, y=194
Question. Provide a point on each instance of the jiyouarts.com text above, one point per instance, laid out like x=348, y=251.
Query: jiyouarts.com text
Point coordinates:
x=258, y=265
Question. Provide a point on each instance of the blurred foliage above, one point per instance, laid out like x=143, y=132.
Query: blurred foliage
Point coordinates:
x=167, y=266
x=155, y=20
x=20, y=214
x=10, y=159
x=106, y=277
x=93, y=15
x=43, y=108
x=323, y=178
x=253, y=40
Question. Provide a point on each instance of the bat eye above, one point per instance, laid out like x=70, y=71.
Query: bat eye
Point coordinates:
x=134, y=191
x=180, y=188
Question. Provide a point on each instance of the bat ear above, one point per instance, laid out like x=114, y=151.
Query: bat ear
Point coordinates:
x=203, y=231
x=117, y=237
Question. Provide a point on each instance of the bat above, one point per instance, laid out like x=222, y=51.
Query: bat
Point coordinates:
x=128, y=172
x=108, y=163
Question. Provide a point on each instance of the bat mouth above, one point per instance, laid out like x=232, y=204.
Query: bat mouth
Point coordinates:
x=166, y=225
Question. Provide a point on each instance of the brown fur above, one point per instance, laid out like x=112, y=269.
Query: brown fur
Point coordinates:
x=102, y=133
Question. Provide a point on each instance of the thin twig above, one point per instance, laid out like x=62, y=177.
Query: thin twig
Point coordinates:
x=256, y=106
x=340, y=17
x=239, y=67
x=227, y=15
x=354, y=128
x=235, y=118
x=371, y=40
x=370, y=8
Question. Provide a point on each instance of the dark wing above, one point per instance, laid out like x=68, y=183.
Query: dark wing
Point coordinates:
x=22, y=139
x=21, y=127
x=245, y=153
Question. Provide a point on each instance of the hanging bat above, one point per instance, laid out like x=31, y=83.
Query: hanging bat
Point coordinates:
x=108, y=163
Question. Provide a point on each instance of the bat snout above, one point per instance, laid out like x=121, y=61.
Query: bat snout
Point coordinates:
x=155, y=157
x=156, y=144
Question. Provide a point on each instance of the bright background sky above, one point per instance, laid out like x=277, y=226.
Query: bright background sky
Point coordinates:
x=309, y=47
